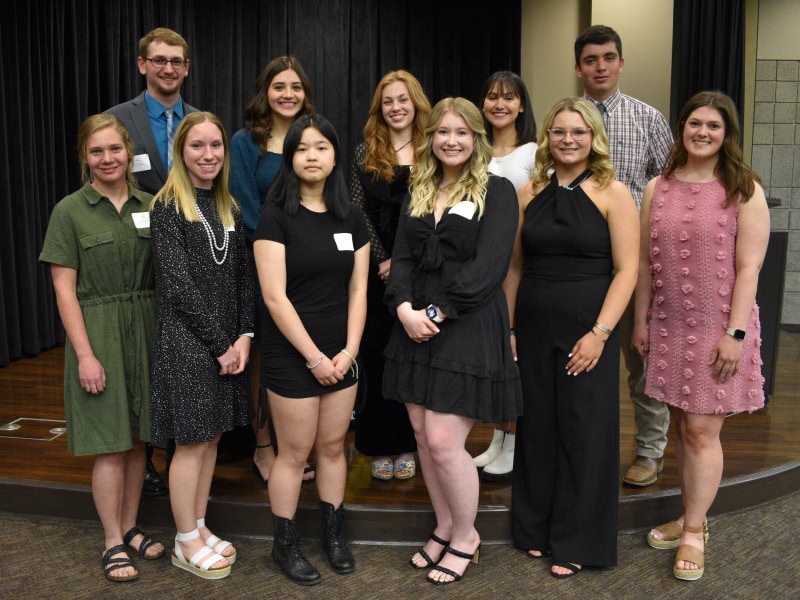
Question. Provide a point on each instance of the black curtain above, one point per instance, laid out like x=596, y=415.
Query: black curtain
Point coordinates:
x=63, y=61
x=707, y=51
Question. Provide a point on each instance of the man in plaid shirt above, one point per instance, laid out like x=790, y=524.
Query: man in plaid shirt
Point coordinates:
x=640, y=139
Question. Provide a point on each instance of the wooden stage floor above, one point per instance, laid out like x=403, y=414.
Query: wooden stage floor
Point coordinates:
x=39, y=476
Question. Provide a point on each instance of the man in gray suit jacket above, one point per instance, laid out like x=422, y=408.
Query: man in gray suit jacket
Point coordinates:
x=164, y=62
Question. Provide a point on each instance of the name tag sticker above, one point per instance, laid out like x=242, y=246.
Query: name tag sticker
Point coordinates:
x=141, y=220
x=344, y=241
x=464, y=209
x=141, y=162
x=231, y=228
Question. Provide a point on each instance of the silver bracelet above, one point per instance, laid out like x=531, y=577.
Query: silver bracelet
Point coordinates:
x=602, y=328
x=316, y=364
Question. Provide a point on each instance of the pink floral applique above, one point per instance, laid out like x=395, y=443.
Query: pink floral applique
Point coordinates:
x=659, y=202
x=656, y=217
x=661, y=381
x=690, y=205
x=657, y=267
x=684, y=236
x=691, y=339
x=687, y=218
x=688, y=305
x=756, y=360
x=658, y=283
x=688, y=373
x=723, y=220
x=684, y=404
x=722, y=273
x=685, y=271
x=689, y=356
x=662, y=348
x=691, y=322
x=661, y=365
x=685, y=253
x=659, y=300
x=720, y=395
x=663, y=332
x=752, y=394
x=725, y=308
x=686, y=390
x=721, y=255
x=720, y=238
x=695, y=188
x=724, y=290
x=687, y=288
x=664, y=186
x=654, y=234
x=655, y=251
x=719, y=411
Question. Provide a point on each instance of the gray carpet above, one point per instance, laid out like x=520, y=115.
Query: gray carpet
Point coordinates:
x=753, y=554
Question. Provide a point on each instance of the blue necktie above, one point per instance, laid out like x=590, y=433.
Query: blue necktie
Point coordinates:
x=170, y=137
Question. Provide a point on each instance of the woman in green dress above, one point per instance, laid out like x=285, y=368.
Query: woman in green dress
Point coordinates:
x=98, y=247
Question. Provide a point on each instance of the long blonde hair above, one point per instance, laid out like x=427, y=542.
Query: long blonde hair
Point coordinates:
x=474, y=175
x=380, y=157
x=599, y=158
x=179, y=188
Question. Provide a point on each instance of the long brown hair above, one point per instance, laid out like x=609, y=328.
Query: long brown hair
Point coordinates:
x=380, y=157
x=733, y=173
x=258, y=118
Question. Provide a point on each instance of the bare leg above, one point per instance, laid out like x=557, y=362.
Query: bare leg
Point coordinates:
x=295, y=422
x=108, y=475
x=701, y=473
x=190, y=483
x=457, y=478
x=444, y=521
x=333, y=421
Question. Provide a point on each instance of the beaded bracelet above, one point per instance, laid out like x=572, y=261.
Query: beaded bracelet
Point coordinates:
x=316, y=364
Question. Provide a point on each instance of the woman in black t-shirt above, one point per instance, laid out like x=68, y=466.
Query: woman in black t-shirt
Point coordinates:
x=312, y=254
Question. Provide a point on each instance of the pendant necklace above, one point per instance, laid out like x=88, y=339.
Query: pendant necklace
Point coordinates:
x=212, y=241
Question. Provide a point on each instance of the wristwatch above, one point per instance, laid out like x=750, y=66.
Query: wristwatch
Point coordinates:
x=433, y=314
x=737, y=334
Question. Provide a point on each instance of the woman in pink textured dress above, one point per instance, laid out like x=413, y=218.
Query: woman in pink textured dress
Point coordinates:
x=707, y=223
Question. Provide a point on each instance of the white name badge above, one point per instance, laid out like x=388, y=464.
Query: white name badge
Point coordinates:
x=141, y=162
x=231, y=228
x=344, y=241
x=141, y=220
x=464, y=209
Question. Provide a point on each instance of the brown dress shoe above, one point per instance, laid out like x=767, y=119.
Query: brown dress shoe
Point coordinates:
x=644, y=471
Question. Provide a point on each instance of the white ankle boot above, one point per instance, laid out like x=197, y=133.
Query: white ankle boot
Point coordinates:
x=501, y=467
x=493, y=451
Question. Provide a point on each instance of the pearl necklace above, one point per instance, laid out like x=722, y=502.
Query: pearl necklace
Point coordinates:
x=212, y=241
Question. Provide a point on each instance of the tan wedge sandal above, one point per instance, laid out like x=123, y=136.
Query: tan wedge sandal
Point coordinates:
x=671, y=535
x=690, y=554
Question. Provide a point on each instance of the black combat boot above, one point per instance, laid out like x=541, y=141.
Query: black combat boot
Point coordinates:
x=287, y=555
x=333, y=541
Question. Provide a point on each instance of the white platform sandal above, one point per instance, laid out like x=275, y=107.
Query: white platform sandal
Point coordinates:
x=200, y=563
x=218, y=545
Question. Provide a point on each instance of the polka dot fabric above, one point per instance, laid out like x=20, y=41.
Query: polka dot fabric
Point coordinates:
x=692, y=260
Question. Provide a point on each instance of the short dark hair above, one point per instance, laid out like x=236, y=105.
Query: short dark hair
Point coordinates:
x=596, y=34
x=285, y=190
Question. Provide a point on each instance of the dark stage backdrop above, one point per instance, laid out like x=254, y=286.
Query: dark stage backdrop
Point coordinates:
x=67, y=59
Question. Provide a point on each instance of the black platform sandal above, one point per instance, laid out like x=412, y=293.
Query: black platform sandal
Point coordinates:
x=112, y=564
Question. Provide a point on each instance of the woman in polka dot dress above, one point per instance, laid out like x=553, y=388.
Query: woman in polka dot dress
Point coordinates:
x=705, y=228
x=204, y=293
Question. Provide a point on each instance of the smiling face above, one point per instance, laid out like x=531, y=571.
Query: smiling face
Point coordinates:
x=704, y=133
x=501, y=107
x=600, y=67
x=106, y=156
x=314, y=158
x=203, y=154
x=286, y=95
x=569, y=150
x=164, y=84
x=453, y=142
x=396, y=106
